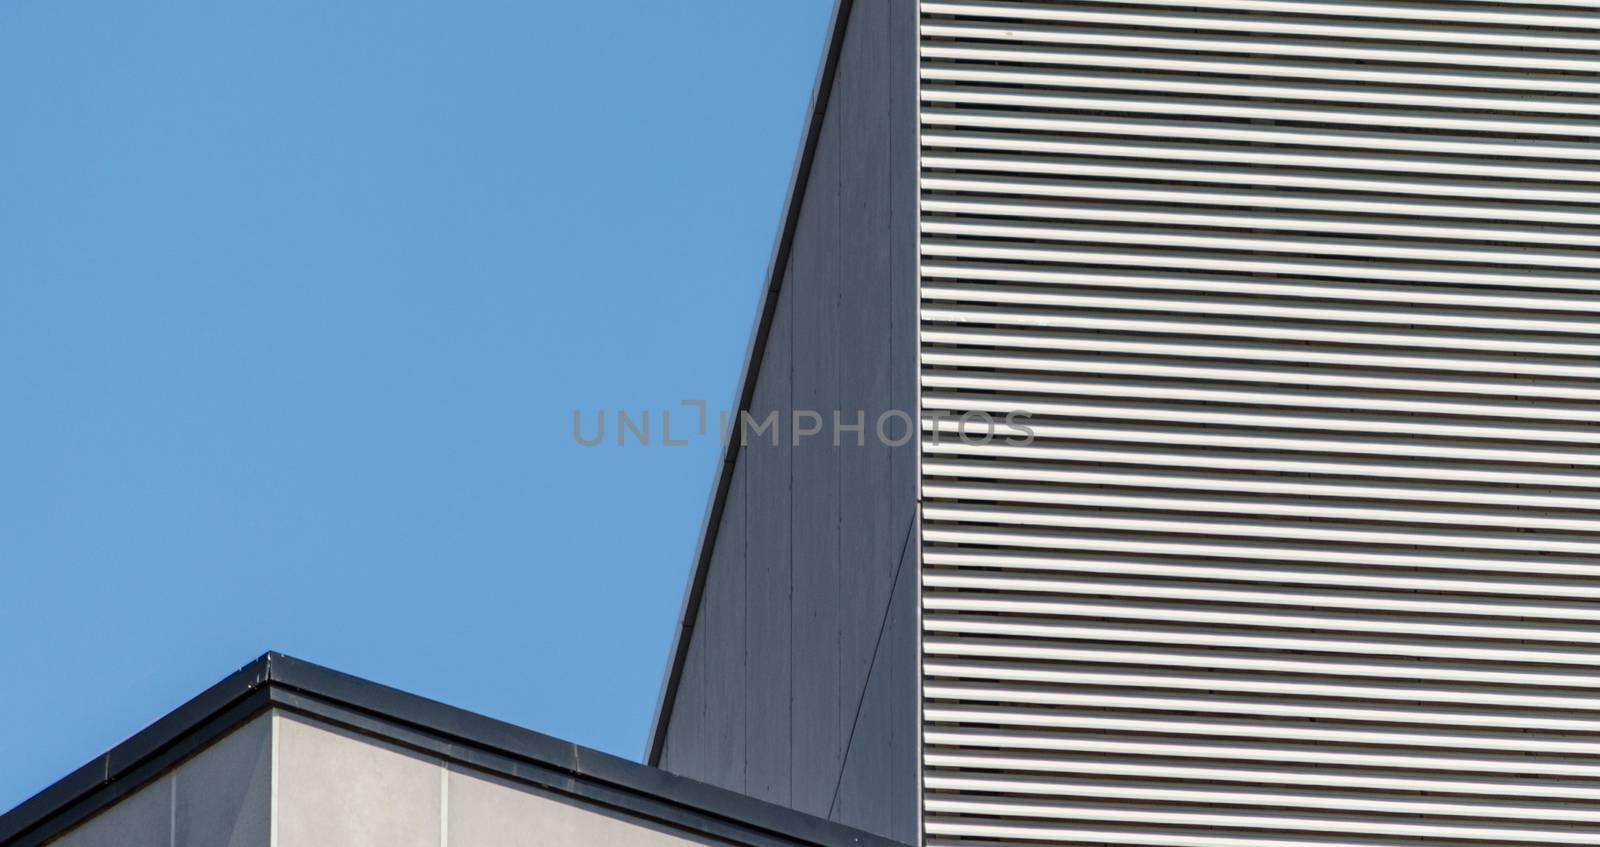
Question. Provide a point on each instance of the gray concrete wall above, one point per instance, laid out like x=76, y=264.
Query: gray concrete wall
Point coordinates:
x=221, y=797
x=799, y=681
x=339, y=788
x=288, y=780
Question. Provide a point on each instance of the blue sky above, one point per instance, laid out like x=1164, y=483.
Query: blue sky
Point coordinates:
x=296, y=302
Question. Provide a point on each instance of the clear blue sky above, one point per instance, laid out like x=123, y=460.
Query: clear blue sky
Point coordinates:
x=296, y=301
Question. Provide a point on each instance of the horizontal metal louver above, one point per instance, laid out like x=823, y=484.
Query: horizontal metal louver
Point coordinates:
x=1301, y=299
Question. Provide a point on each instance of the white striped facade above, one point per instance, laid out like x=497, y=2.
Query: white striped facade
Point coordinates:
x=1303, y=300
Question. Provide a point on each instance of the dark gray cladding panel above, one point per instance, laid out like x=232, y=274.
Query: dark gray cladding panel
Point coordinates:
x=902, y=155
x=768, y=674
x=706, y=736
x=869, y=490
x=878, y=787
x=805, y=692
x=686, y=738
x=905, y=736
x=812, y=290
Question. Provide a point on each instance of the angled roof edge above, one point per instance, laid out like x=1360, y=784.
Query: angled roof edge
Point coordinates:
x=821, y=91
x=275, y=681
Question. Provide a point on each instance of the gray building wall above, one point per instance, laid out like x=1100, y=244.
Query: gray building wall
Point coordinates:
x=799, y=682
x=285, y=780
x=1301, y=299
x=336, y=787
x=219, y=798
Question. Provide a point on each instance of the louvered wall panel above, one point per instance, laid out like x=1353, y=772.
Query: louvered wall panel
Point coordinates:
x=1303, y=300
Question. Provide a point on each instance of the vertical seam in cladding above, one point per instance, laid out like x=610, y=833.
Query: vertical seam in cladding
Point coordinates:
x=272, y=801
x=838, y=489
x=915, y=324
x=444, y=804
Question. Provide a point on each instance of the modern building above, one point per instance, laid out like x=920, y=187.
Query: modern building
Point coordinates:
x=1302, y=301
x=1218, y=465
x=284, y=753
